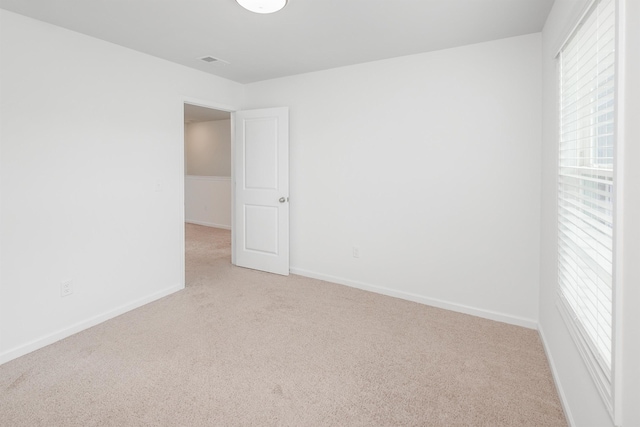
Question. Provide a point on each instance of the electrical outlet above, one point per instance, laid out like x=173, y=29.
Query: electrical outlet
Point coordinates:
x=66, y=288
x=356, y=252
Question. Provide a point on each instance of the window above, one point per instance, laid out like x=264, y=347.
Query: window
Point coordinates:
x=585, y=188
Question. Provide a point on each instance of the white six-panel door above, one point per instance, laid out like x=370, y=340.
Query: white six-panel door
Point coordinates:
x=261, y=208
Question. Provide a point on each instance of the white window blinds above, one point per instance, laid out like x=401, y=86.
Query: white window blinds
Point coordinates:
x=585, y=186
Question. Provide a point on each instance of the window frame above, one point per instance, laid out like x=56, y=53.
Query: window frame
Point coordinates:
x=610, y=386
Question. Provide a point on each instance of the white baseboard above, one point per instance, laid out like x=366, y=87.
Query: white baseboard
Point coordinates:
x=85, y=324
x=208, y=224
x=206, y=178
x=556, y=379
x=460, y=308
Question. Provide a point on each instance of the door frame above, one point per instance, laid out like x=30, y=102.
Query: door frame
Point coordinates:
x=181, y=158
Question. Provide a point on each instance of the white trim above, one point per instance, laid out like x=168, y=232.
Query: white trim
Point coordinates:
x=583, y=12
x=207, y=104
x=434, y=302
x=84, y=324
x=556, y=379
x=208, y=224
x=233, y=188
x=182, y=170
x=618, y=224
x=207, y=178
x=588, y=355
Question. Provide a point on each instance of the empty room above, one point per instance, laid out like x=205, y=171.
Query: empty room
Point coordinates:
x=424, y=213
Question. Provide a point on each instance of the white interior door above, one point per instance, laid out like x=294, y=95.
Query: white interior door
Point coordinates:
x=261, y=207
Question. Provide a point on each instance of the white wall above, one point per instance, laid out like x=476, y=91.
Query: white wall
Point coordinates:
x=430, y=164
x=92, y=178
x=208, y=148
x=207, y=201
x=580, y=397
x=208, y=167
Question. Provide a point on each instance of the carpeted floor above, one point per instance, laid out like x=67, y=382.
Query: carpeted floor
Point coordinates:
x=244, y=348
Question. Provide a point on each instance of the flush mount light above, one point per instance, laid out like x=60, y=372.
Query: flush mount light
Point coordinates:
x=262, y=6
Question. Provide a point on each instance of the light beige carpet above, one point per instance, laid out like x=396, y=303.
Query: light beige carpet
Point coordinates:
x=244, y=348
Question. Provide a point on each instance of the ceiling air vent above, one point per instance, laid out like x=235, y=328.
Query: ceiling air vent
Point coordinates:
x=211, y=59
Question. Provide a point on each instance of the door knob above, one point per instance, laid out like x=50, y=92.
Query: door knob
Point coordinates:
x=282, y=200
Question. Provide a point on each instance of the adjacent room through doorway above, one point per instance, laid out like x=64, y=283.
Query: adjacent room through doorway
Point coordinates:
x=207, y=195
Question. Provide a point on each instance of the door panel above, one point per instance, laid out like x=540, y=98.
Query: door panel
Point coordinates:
x=261, y=229
x=261, y=168
x=261, y=153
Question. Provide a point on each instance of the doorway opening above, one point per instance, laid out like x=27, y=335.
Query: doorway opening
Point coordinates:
x=207, y=191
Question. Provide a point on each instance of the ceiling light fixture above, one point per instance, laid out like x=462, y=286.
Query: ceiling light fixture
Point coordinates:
x=262, y=6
